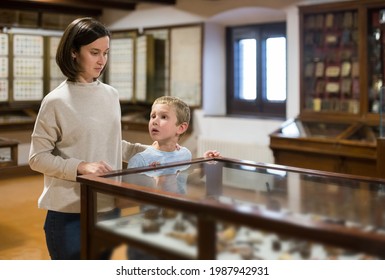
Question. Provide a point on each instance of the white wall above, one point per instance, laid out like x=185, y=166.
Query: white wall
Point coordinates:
x=214, y=70
x=211, y=122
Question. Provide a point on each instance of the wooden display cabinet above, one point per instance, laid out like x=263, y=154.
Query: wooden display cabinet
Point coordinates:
x=329, y=146
x=8, y=152
x=341, y=74
x=231, y=209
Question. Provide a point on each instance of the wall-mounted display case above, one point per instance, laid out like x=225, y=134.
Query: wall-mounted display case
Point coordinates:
x=4, y=61
x=331, y=61
x=159, y=61
x=28, y=67
x=120, y=72
x=149, y=63
x=144, y=64
x=341, y=62
x=229, y=209
x=28, y=71
x=55, y=75
x=341, y=75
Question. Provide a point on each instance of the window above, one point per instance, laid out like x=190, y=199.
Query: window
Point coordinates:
x=256, y=73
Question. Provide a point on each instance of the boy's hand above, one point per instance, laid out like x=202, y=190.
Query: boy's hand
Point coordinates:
x=211, y=154
x=154, y=164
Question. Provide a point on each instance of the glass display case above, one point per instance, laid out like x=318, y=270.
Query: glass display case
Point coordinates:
x=343, y=147
x=230, y=209
x=331, y=64
x=341, y=75
x=313, y=129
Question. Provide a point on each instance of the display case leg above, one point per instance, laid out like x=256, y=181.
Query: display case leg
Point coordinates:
x=206, y=239
x=381, y=157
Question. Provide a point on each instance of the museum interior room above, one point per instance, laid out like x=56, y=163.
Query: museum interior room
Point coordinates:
x=290, y=92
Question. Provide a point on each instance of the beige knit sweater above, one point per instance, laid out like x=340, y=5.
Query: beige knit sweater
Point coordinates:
x=76, y=122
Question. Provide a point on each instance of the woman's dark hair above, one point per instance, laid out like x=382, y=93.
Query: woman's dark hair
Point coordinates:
x=80, y=32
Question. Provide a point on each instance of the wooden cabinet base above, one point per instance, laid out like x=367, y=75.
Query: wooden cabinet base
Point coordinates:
x=325, y=162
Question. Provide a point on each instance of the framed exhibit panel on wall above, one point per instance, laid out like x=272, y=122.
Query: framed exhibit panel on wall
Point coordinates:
x=186, y=64
x=28, y=67
x=4, y=68
x=120, y=72
x=56, y=77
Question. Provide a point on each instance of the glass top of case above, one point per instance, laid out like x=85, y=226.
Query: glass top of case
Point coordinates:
x=365, y=133
x=309, y=129
x=354, y=202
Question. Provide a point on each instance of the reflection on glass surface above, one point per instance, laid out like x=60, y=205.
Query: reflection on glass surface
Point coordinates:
x=367, y=134
x=291, y=130
x=320, y=197
x=326, y=130
x=309, y=129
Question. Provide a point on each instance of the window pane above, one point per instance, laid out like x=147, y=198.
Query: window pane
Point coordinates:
x=256, y=70
x=276, y=69
x=247, y=69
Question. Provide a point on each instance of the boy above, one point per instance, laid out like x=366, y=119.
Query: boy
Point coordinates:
x=169, y=121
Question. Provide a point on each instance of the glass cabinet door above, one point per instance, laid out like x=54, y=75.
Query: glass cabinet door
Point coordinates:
x=331, y=62
x=339, y=73
x=376, y=43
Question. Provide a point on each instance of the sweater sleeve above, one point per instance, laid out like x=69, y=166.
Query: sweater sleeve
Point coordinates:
x=130, y=149
x=42, y=157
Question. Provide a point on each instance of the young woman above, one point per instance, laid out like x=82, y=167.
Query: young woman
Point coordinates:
x=77, y=131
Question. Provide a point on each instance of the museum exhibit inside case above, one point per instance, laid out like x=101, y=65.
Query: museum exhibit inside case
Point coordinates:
x=225, y=208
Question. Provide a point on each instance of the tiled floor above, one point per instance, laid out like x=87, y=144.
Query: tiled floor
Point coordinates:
x=21, y=222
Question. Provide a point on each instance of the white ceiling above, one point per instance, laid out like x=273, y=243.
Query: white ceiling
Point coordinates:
x=209, y=8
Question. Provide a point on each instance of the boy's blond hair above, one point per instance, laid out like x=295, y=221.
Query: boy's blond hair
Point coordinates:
x=181, y=108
